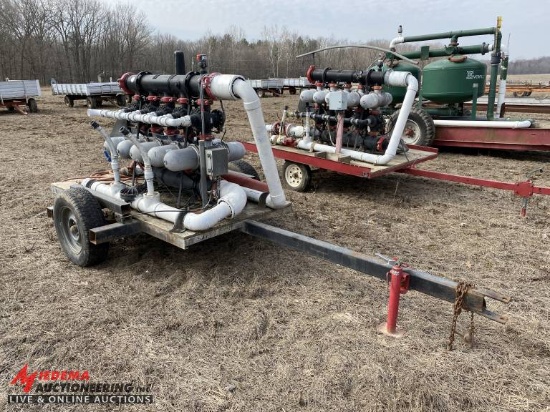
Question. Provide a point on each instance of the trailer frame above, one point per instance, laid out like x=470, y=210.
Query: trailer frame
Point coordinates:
x=128, y=222
x=95, y=93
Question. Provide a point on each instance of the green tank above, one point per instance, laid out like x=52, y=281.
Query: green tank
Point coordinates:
x=452, y=80
x=398, y=93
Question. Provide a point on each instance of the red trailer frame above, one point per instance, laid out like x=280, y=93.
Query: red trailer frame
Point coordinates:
x=402, y=164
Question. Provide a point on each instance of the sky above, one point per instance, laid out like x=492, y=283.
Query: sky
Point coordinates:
x=523, y=21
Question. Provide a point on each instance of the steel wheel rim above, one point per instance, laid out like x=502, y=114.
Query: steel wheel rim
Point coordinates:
x=411, y=133
x=294, y=175
x=70, y=231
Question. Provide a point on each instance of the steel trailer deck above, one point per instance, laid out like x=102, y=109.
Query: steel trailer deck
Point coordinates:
x=134, y=222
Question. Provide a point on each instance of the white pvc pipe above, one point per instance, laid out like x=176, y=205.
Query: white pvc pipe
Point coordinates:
x=397, y=40
x=501, y=96
x=251, y=101
x=307, y=137
x=114, y=154
x=490, y=124
x=147, y=169
x=166, y=120
x=232, y=201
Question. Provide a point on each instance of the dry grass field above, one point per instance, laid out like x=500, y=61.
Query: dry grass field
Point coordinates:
x=238, y=324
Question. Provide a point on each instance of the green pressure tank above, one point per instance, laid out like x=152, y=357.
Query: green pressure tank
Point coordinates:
x=398, y=93
x=452, y=80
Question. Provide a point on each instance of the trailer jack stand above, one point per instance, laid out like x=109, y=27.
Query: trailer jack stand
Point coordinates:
x=399, y=285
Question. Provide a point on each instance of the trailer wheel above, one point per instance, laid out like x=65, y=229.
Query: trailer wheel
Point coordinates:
x=244, y=167
x=75, y=212
x=297, y=176
x=419, y=129
x=91, y=102
x=121, y=100
x=33, y=107
x=68, y=101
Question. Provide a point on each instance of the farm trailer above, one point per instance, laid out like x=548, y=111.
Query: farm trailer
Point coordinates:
x=17, y=93
x=94, y=93
x=178, y=149
x=278, y=86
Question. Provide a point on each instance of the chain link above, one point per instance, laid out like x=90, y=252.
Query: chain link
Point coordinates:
x=461, y=292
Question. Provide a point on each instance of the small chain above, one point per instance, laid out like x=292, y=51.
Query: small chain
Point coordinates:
x=461, y=291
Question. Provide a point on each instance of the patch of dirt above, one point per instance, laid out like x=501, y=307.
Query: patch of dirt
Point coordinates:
x=238, y=324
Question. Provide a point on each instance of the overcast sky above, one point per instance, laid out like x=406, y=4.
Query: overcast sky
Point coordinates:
x=525, y=22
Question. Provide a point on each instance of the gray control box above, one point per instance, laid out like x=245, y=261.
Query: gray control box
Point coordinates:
x=216, y=161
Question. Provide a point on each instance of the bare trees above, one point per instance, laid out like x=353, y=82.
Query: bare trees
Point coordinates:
x=76, y=40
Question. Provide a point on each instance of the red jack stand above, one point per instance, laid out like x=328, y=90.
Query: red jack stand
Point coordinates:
x=399, y=285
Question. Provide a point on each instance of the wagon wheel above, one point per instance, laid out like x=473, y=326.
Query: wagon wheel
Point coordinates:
x=244, y=167
x=292, y=90
x=68, y=101
x=297, y=176
x=91, y=102
x=121, y=100
x=75, y=212
x=33, y=107
x=419, y=129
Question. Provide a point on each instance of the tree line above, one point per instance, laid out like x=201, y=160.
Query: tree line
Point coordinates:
x=540, y=65
x=77, y=41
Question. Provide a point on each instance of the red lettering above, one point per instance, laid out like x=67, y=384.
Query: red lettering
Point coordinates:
x=85, y=376
x=44, y=376
x=73, y=376
x=54, y=376
x=63, y=376
x=24, y=379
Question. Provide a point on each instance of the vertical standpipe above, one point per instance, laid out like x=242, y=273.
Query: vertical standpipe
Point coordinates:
x=179, y=59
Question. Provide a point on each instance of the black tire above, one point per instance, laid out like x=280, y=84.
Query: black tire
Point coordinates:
x=419, y=129
x=244, y=167
x=31, y=104
x=121, y=100
x=91, y=102
x=75, y=212
x=296, y=176
x=11, y=109
x=69, y=102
